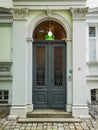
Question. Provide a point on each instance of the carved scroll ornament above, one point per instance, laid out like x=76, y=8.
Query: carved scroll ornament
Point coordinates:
x=79, y=12
x=19, y=13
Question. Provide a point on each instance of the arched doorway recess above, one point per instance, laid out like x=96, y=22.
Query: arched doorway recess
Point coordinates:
x=49, y=66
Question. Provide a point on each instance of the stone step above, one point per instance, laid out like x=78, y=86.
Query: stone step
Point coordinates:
x=48, y=120
x=33, y=115
x=49, y=114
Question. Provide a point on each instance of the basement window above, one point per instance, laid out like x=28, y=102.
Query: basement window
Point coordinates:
x=4, y=96
x=94, y=96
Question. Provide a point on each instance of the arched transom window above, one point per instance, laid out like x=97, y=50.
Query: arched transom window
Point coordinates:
x=50, y=28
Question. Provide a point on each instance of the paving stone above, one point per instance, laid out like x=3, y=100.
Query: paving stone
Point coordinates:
x=79, y=127
x=22, y=128
x=71, y=126
x=65, y=124
x=91, y=128
x=32, y=128
x=28, y=128
x=45, y=126
x=60, y=124
x=49, y=124
x=7, y=128
x=76, y=124
x=61, y=128
x=55, y=124
x=34, y=124
x=40, y=124
x=95, y=125
x=29, y=124
x=85, y=125
x=49, y=127
x=55, y=127
x=39, y=128
x=16, y=129
x=24, y=125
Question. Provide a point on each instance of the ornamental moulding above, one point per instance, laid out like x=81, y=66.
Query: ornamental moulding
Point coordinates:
x=49, y=12
x=19, y=13
x=79, y=12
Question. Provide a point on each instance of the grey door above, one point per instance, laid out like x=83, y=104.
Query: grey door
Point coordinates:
x=49, y=74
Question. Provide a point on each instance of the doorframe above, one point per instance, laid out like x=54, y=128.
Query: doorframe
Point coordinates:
x=30, y=29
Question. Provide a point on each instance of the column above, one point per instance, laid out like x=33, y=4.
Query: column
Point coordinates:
x=79, y=108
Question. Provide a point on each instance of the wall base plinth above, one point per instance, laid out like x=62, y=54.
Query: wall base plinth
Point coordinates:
x=80, y=111
x=20, y=111
x=68, y=107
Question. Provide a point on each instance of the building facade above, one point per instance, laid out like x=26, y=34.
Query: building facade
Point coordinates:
x=48, y=55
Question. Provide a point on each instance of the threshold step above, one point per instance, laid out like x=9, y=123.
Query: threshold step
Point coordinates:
x=49, y=115
x=48, y=120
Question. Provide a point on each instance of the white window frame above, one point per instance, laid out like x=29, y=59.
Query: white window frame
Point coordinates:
x=2, y=100
x=93, y=38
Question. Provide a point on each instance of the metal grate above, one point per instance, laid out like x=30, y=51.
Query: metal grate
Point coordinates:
x=4, y=96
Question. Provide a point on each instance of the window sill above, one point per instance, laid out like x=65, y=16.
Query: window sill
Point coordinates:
x=92, y=77
x=92, y=62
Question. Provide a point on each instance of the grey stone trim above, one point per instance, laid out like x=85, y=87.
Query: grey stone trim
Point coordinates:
x=4, y=10
x=5, y=71
x=5, y=66
x=5, y=78
x=5, y=13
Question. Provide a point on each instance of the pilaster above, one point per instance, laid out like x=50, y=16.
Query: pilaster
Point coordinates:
x=29, y=76
x=69, y=76
x=20, y=105
x=79, y=63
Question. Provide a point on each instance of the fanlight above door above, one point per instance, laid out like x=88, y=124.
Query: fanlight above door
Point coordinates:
x=43, y=29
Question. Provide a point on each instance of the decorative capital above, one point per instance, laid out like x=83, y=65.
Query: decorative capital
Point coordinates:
x=79, y=12
x=49, y=12
x=19, y=13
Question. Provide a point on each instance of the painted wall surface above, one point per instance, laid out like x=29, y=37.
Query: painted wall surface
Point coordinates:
x=5, y=43
x=6, y=3
x=66, y=14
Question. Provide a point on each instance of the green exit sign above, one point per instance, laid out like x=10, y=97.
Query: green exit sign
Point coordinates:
x=47, y=37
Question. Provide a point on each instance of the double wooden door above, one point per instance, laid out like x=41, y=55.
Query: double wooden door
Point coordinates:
x=49, y=74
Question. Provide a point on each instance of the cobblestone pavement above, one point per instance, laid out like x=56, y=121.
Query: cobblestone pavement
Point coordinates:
x=90, y=124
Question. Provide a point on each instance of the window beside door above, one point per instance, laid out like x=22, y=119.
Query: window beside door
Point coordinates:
x=93, y=39
x=92, y=51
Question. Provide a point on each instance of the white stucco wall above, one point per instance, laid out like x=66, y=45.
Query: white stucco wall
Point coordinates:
x=5, y=43
x=6, y=3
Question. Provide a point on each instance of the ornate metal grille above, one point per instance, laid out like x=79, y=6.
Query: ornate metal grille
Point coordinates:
x=58, y=57
x=40, y=66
